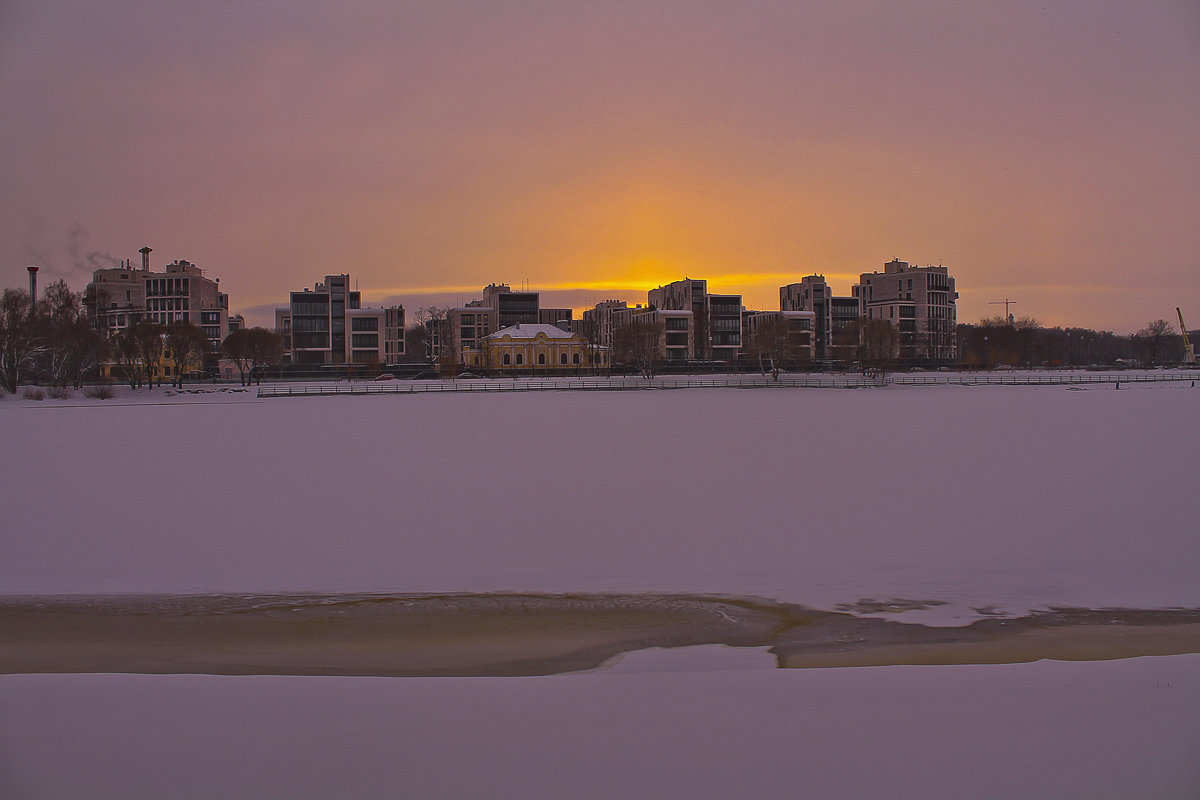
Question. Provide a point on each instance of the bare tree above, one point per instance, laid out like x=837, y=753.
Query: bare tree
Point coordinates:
x=1027, y=339
x=149, y=340
x=188, y=346
x=437, y=340
x=253, y=350
x=125, y=352
x=589, y=330
x=266, y=350
x=74, y=348
x=774, y=344
x=21, y=340
x=877, y=345
x=236, y=348
x=1155, y=336
x=637, y=344
x=416, y=340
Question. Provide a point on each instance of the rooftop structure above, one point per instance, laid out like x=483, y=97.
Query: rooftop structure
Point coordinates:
x=118, y=297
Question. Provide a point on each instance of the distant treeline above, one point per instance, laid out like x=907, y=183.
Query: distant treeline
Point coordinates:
x=1023, y=342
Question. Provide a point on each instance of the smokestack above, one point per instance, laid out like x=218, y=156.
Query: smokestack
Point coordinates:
x=32, y=283
x=146, y=251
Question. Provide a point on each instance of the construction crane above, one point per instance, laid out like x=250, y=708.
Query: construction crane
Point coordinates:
x=1189, y=352
x=1008, y=318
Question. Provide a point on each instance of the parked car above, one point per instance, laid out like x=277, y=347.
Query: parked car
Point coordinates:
x=387, y=376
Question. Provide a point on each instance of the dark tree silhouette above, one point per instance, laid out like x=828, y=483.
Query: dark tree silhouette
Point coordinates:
x=188, y=346
x=253, y=350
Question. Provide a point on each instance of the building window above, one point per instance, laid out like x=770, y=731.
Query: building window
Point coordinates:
x=562, y=359
x=520, y=359
x=507, y=358
x=541, y=358
x=364, y=340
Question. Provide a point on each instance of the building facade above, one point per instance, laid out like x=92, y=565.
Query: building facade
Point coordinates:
x=835, y=319
x=919, y=302
x=675, y=341
x=118, y=297
x=464, y=328
x=716, y=318
x=529, y=348
x=327, y=325
x=600, y=322
x=787, y=337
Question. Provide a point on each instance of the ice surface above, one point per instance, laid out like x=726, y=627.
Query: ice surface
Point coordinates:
x=976, y=497
x=985, y=499
x=1103, y=731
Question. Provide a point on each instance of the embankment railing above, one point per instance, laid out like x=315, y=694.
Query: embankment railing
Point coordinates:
x=737, y=382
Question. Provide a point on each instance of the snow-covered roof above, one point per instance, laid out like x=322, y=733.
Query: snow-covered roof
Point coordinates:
x=530, y=330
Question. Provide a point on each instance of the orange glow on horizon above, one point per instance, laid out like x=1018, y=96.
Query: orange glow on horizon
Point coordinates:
x=639, y=281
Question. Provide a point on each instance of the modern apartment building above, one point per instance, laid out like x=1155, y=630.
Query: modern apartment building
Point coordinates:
x=600, y=321
x=467, y=325
x=788, y=336
x=919, y=302
x=717, y=318
x=512, y=308
x=724, y=325
x=687, y=294
x=327, y=325
x=835, y=330
x=118, y=297
x=676, y=330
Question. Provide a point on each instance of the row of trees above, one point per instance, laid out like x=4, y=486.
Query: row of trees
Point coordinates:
x=1024, y=342
x=253, y=351
x=52, y=340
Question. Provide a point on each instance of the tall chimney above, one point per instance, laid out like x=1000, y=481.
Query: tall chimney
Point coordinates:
x=32, y=283
x=145, y=251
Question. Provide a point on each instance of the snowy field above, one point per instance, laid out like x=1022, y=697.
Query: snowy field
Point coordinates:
x=1009, y=497
x=984, y=499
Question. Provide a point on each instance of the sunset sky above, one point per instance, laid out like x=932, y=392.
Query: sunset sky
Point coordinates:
x=1044, y=151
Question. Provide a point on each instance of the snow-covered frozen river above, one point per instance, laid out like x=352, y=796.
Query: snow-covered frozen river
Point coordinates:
x=985, y=499
x=1002, y=497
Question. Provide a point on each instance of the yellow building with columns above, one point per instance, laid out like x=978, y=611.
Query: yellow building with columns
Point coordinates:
x=531, y=348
